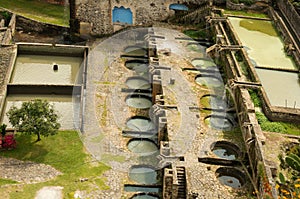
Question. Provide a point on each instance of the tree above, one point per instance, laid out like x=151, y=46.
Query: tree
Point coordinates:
x=34, y=117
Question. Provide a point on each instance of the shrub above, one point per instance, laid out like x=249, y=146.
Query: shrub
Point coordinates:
x=267, y=125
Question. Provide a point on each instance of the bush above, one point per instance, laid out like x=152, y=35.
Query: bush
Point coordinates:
x=255, y=98
x=267, y=125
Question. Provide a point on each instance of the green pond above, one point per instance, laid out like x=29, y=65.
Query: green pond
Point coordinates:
x=38, y=69
x=265, y=48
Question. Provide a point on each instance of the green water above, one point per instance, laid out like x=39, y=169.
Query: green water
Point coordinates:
x=263, y=45
x=265, y=48
x=140, y=124
x=209, y=81
x=203, y=63
x=283, y=88
x=140, y=69
x=38, y=69
x=138, y=102
x=132, y=188
x=135, y=51
x=219, y=123
x=142, y=147
x=138, y=83
x=143, y=175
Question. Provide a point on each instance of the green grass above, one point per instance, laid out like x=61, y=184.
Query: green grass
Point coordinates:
x=280, y=127
x=64, y=152
x=255, y=97
x=38, y=10
x=7, y=181
x=245, y=13
x=195, y=34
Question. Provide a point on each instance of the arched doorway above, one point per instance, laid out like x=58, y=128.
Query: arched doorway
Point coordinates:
x=122, y=15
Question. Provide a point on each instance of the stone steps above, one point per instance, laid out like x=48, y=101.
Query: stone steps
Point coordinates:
x=181, y=177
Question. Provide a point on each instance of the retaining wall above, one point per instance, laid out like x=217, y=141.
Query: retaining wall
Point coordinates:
x=291, y=45
x=251, y=131
x=290, y=13
x=258, y=6
x=10, y=31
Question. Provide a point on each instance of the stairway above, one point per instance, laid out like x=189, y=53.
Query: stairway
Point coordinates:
x=192, y=17
x=181, y=176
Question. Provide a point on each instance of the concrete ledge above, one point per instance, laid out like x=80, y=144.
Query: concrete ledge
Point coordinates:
x=44, y=89
x=51, y=49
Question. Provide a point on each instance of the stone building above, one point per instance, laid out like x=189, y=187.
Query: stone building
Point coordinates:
x=98, y=17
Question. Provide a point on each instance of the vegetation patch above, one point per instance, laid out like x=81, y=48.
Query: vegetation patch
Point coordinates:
x=267, y=125
x=195, y=34
x=288, y=183
x=279, y=127
x=63, y=151
x=255, y=98
x=7, y=181
x=245, y=13
x=259, y=25
x=39, y=10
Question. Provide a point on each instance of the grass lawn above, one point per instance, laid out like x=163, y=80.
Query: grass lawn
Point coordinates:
x=38, y=10
x=63, y=151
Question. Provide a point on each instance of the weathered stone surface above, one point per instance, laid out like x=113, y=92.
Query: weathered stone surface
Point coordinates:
x=100, y=13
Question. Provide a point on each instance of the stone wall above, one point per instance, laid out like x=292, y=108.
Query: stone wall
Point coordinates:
x=291, y=44
x=290, y=13
x=291, y=115
x=98, y=14
x=251, y=131
x=10, y=31
x=258, y=5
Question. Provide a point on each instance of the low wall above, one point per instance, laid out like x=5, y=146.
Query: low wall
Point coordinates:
x=252, y=134
x=291, y=115
x=44, y=89
x=52, y=49
x=10, y=31
x=290, y=13
x=258, y=6
x=292, y=47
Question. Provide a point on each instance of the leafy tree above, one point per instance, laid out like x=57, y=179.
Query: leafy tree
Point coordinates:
x=34, y=117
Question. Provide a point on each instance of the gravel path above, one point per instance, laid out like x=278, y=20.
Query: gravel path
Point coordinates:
x=26, y=171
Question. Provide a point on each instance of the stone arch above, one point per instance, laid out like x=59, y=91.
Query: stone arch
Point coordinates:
x=177, y=6
x=122, y=15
